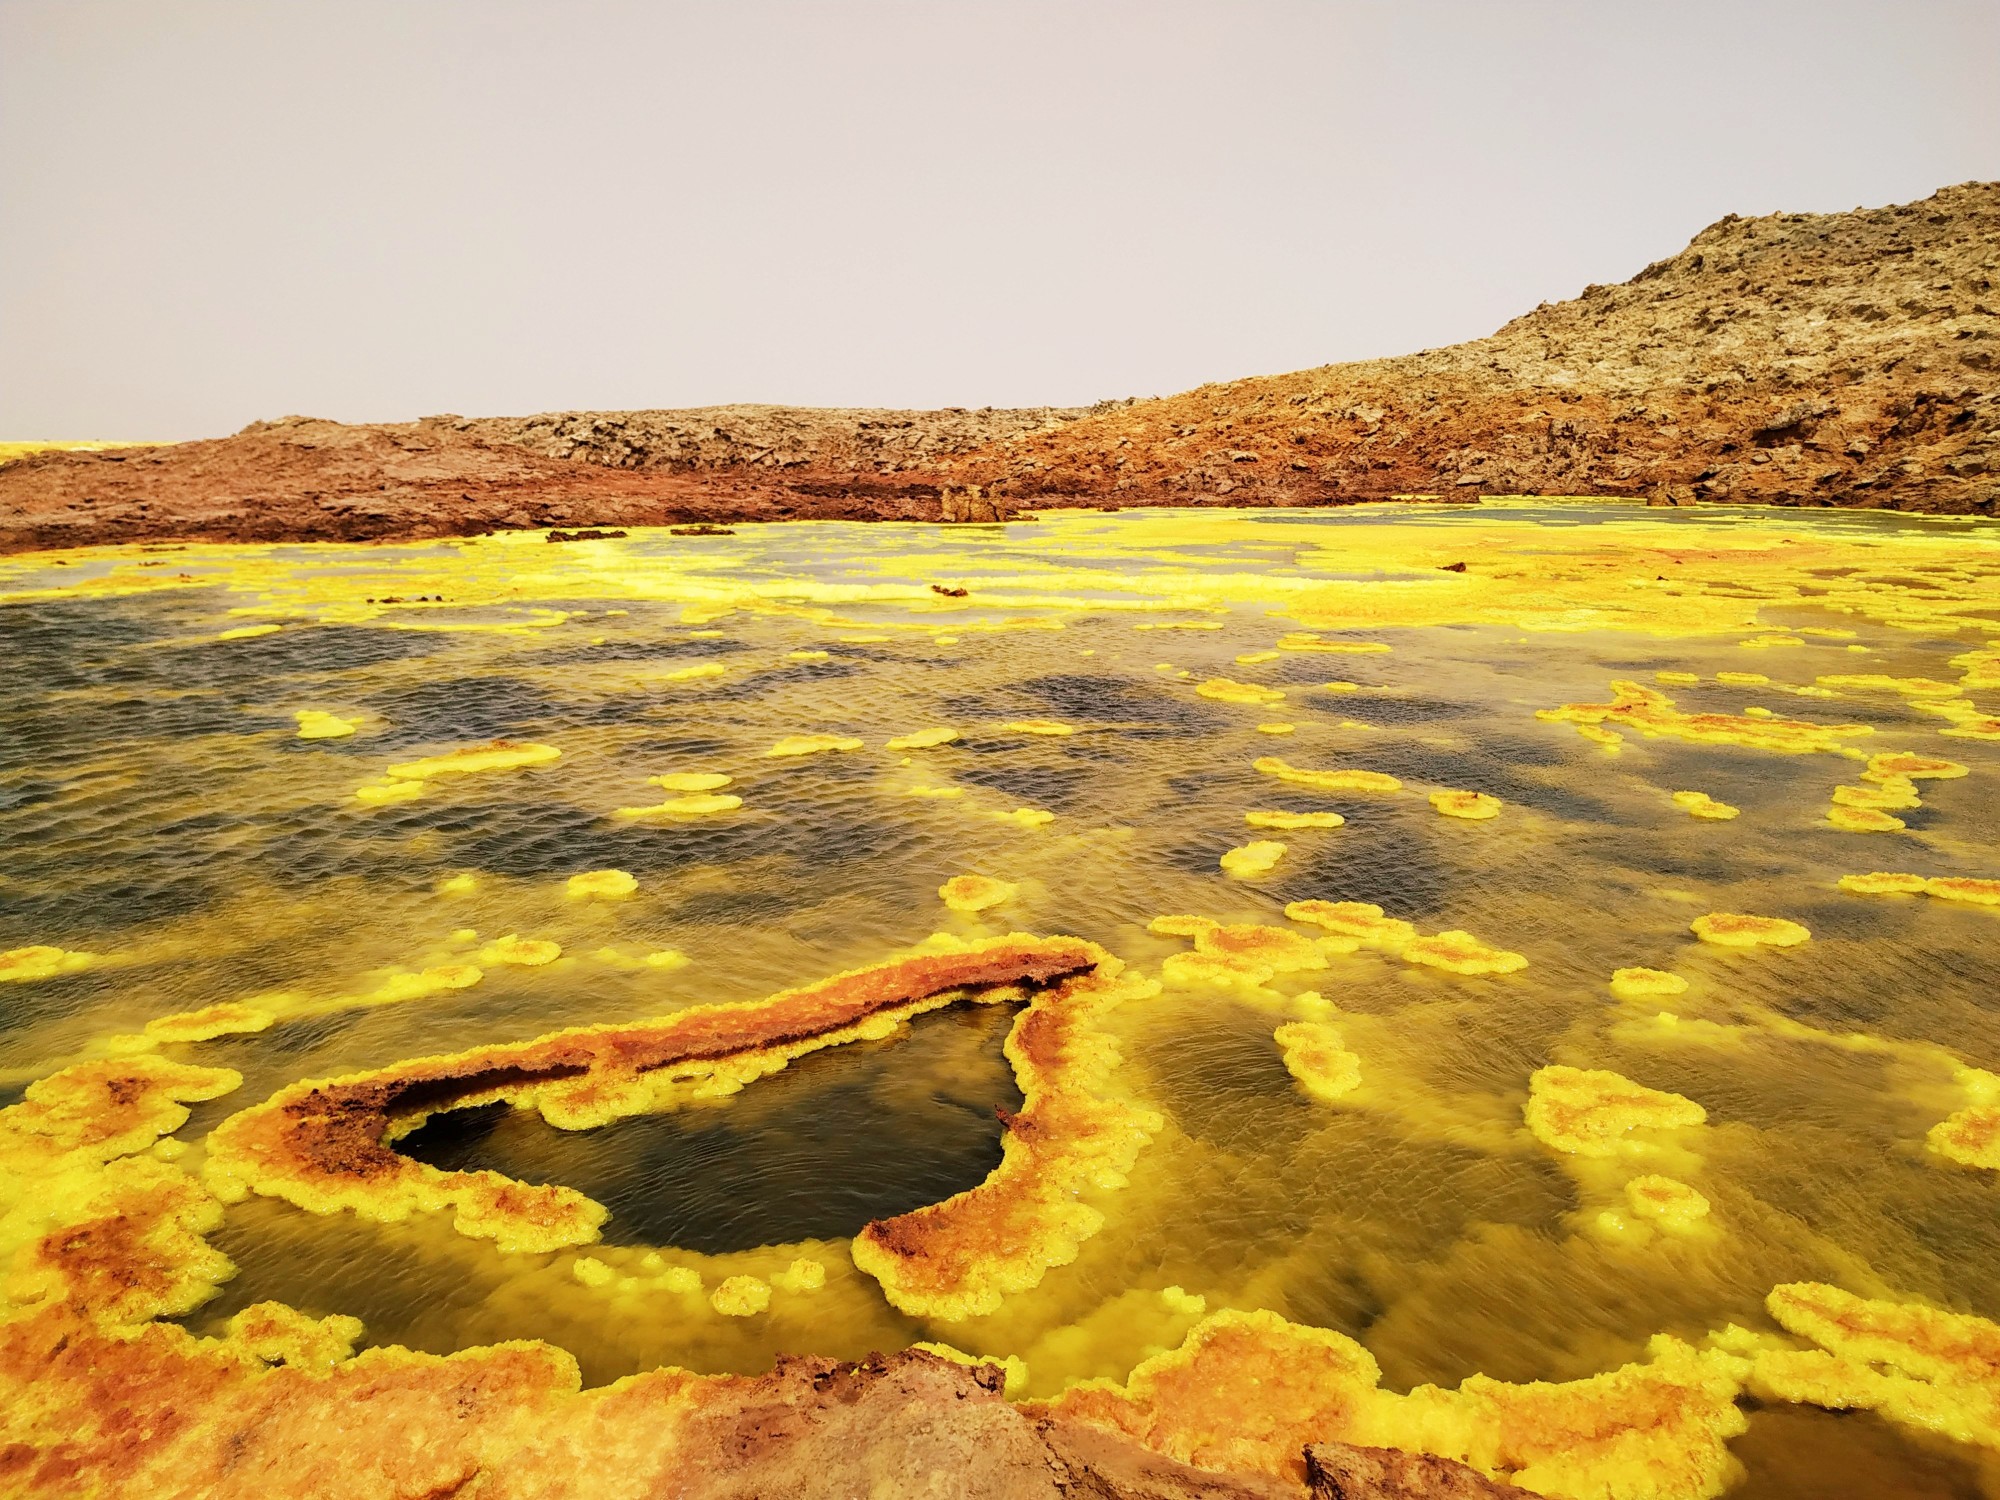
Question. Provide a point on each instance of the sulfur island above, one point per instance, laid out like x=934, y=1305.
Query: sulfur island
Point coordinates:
x=1394, y=998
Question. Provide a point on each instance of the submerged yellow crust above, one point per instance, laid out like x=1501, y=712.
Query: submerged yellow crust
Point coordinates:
x=1258, y=857
x=1736, y=930
x=1318, y=1058
x=1592, y=1112
x=1327, y=781
x=1476, y=806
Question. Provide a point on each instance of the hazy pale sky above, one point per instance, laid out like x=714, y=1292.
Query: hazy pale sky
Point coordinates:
x=214, y=210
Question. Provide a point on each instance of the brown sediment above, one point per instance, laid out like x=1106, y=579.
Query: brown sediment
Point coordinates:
x=1794, y=359
x=325, y=1145
x=1349, y=1471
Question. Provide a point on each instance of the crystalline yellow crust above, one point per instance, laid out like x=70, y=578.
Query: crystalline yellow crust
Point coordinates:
x=1670, y=1204
x=810, y=744
x=1884, y=883
x=1701, y=805
x=500, y=755
x=1917, y=1366
x=278, y=1334
x=698, y=805
x=1258, y=857
x=1893, y=794
x=224, y=1018
x=923, y=739
x=41, y=961
x=526, y=953
x=1592, y=1112
x=1971, y=1137
x=1863, y=819
x=1316, y=1055
x=1287, y=821
x=1964, y=888
x=1327, y=781
x=324, y=1145
x=741, y=1297
x=1052, y=727
x=1277, y=950
x=1247, y=1391
x=960, y=1258
x=1475, y=806
x=690, y=781
x=1646, y=984
x=1225, y=690
x=970, y=893
x=1650, y=712
x=1360, y=922
x=316, y=724
x=1912, y=767
x=1459, y=952
x=1736, y=930
x=602, y=885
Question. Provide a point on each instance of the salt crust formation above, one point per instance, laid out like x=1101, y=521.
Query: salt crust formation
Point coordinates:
x=1794, y=359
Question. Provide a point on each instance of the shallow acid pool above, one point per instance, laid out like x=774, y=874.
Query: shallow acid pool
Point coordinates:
x=242, y=777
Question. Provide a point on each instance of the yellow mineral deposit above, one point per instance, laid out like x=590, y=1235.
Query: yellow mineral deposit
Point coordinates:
x=1593, y=1112
x=810, y=744
x=1736, y=930
x=1459, y=952
x=1863, y=819
x=1646, y=984
x=1472, y=806
x=1277, y=728
x=1701, y=805
x=1326, y=781
x=248, y=632
x=1317, y=1057
x=1248, y=861
x=923, y=739
x=1224, y=690
x=601, y=885
x=470, y=760
x=522, y=953
x=741, y=1297
x=42, y=961
x=1163, y=1190
x=970, y=893
x=1292, y=820
x=316, y=724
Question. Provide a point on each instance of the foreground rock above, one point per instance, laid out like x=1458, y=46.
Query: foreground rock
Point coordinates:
x=1797, y=359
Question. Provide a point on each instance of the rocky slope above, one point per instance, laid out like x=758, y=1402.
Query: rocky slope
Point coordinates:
x=1798, y=359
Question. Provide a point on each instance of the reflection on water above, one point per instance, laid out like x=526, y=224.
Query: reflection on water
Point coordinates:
x=159, y=812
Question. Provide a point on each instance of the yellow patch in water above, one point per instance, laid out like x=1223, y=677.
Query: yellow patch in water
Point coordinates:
x=1458, y=952
x=1253, y=658
x=1181, y=926
x=1359, y=922
x=248, y=632
x=314, y=724
x=1326, y=781
x=1276, y=728
x=1877, y=682
x=970, y=893
x=525, y=953
x=1317, y=1056
x=1473, y=806
x=381, y=793
x=500, y=755
x=741, y=1297
x=225, y=1018
x=1736, y=930
x=1964, y=888
x=700, y=805
x=1892, y=795
x=1258, y=857
x=460, y=884
x=422, y=984
x=1593, y=1112
x=802, y=1275
x=605, y=885
x=1652, y=713
x=1902, y=764
x=1919, y=1367
x=1646, y=984
x=1278, y=949
x=1666, y=1202
x=1340, y=686
x=1052, y=727
x=42, y=961
x=690, y=781
x=1306, y=641
x=1883, y=883
x=1701, y=805
x=808, y=656
x=1227, y=690
x=1292, y=820
x=1609, y=740
x=810, y=744
x=1678, y=679
x=1863, y=819
x=923, y=739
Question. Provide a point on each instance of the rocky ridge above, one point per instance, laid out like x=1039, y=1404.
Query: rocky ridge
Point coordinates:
x=1796, y=359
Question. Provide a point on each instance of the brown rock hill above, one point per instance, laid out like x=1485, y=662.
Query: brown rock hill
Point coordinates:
x=1799, y=359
